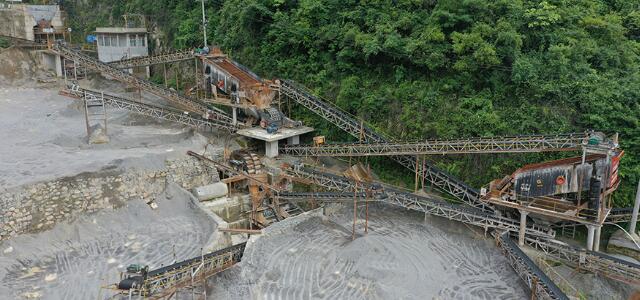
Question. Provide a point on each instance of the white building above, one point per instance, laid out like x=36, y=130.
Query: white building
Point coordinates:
x=118, y=43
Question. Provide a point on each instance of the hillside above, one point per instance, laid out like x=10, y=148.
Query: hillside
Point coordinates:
x=432, y=69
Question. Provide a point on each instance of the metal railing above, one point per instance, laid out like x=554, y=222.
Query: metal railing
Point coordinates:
x=511, y=144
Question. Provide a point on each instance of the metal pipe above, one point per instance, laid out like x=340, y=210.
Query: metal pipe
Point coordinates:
x=634, y=215
x=204, y=25
x=523, y=227
x=590, y=233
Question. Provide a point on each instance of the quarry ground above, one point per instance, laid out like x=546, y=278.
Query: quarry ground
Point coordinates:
x=404, y=255
x=73, y=260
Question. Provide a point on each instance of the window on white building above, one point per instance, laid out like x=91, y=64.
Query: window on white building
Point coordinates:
x=107, y=41
x=132, y=40
x=114, y=40
x=143, y=41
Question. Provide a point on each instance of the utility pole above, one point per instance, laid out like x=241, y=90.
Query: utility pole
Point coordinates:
x=204, y=25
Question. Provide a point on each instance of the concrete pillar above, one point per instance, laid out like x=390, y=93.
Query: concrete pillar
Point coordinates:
x=523, y=227
x=596, y=239
x=590, y=234
x=294, y=140
x=271, y=149
x=58, y=67
x=235, y=116
x=634, y=215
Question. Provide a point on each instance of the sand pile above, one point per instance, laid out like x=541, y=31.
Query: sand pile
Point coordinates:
x=402, y=257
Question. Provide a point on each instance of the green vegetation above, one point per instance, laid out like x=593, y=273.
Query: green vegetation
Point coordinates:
x=4, y=43
x=445, y=69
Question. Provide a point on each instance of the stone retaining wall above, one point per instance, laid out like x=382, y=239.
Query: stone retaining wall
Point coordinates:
x=40, y=206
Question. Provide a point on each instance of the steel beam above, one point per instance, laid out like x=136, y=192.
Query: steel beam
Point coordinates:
x=509, y=144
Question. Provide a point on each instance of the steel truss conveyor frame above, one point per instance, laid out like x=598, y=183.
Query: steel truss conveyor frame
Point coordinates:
x=411, y=201
x=595, y=262
x=538, y=282
x=143, y=61
x=438, y=178
x=160, y=112
x=180, y=273
x=511, y=144
x=192, y=104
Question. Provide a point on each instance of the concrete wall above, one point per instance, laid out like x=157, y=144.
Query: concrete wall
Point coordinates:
x=40, y=206
x=15, y=22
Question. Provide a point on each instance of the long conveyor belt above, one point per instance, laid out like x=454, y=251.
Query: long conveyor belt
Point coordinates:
x=508, y=144
x=171, y=95
x=411, y=201
x=160, y=112
x=538, y=282
x=438, y=178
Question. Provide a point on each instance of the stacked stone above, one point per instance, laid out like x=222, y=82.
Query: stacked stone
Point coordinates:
x=40, y=206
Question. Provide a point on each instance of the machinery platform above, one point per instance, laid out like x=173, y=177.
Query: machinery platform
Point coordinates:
x=271, y=139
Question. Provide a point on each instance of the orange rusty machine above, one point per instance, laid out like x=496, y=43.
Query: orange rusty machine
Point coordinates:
x=232, y=84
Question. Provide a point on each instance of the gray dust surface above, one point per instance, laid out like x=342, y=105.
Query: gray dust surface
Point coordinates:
x=73, y=260
x=403, y=256
x=43, y=137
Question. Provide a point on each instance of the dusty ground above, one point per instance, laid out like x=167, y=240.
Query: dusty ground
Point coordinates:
x=44, y=137
x=74, y=259
x=402, y=257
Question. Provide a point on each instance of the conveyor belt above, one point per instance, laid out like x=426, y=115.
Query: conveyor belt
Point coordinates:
x=160, y=112
x=428, y=205
x=171, y=95
x=438, y=178
x=596, y=262
x=166, y=279
x=143, y=61
x=511, y=144
x=324, y=196
x=538, y=282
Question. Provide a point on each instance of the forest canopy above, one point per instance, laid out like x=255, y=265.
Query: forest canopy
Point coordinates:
x=433, y=69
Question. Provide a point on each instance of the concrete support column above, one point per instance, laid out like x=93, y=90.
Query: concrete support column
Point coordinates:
x=271, y=149
x=634, y=215
x=596, y=239
x=523, y=227
x=294, y=140
x=235, y=115
x=590, y=235
x=58, y=66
